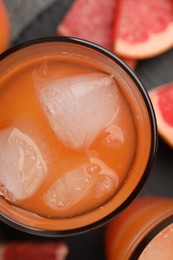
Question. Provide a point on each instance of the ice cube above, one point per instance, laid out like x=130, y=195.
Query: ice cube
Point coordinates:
x=22, y=168
x=93, y=180
x=107, y=180
x=114, y=136
x=78, y=107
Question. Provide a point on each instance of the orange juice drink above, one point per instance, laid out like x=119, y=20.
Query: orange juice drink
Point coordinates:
x=143, y=231
x=77, y=134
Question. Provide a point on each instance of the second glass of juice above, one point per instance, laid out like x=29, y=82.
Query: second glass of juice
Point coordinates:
x=77, y=133
x=143, y=231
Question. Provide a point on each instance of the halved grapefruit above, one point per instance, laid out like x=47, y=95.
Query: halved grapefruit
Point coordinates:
x=91, y=20
x=143, y=28
x=162, y=100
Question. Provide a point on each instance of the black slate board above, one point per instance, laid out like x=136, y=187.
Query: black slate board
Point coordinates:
x=152, y=72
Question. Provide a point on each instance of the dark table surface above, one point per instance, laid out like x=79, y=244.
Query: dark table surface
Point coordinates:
x=152, y=72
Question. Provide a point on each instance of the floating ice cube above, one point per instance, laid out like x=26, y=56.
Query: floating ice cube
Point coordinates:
x=78, y=107
x=22, y=168
x=94, y=179
x=114, y=136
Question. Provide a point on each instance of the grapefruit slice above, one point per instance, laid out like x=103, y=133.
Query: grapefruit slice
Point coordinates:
x=4, y=28
x=144, y=28
x=85, y=20
x=162, y=100
x=31, y=250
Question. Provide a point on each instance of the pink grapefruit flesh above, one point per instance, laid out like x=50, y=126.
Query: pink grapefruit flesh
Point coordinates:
x=162, y=100
x=93, y=21
x=31, y=250
x=143, y=28
x=90, y=20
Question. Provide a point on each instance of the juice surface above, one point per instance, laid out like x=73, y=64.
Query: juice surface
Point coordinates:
x=57, y=175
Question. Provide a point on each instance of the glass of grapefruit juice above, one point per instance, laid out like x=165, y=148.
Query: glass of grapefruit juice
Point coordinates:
x=78, y=136
x=143, y=231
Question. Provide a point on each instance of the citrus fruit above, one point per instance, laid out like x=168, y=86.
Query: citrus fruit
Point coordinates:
x=4, y=27
x=85, y=20
x=143, y=28
x=162, y=100
x=31, y=250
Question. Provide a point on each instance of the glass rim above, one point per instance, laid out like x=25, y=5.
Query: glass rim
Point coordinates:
x=153, y=126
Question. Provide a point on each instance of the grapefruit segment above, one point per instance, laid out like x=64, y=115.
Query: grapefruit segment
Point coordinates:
x=143, y=28
x=85, y=20
x=162, y=100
